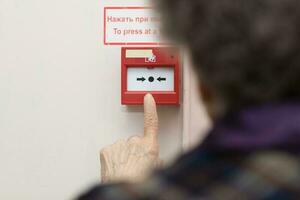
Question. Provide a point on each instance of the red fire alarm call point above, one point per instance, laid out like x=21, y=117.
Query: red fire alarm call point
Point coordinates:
x=154, y=70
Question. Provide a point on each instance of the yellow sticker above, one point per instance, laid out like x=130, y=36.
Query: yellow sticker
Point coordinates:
x=139, y=53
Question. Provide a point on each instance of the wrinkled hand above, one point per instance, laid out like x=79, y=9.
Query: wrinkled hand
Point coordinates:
x=133, y=159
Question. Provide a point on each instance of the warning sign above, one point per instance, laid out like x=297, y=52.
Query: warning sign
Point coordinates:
x=131, y=26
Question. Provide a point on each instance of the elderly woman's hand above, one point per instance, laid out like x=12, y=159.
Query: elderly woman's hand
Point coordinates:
x=133, y=159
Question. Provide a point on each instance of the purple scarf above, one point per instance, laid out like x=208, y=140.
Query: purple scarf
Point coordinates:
x=270, y=127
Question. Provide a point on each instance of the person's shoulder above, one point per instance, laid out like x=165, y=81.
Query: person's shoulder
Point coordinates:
x=281, y=168
x=238, y=175
x=202, y=174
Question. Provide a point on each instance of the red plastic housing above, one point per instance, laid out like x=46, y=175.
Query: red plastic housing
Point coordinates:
x=165, y=57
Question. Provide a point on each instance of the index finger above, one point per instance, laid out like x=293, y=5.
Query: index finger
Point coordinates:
x=150, y=117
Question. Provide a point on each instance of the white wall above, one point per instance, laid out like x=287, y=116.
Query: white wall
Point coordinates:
x=60, y=98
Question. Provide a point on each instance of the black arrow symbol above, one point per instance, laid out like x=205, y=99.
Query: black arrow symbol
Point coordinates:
x=161, y=79
x=141, y=79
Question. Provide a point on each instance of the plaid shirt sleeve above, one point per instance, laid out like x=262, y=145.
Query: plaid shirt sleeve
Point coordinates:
x=200, y=175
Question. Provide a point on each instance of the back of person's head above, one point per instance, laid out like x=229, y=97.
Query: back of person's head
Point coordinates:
x=246, y=52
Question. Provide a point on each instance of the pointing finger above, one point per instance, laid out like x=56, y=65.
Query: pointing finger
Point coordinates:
x=150, y=117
